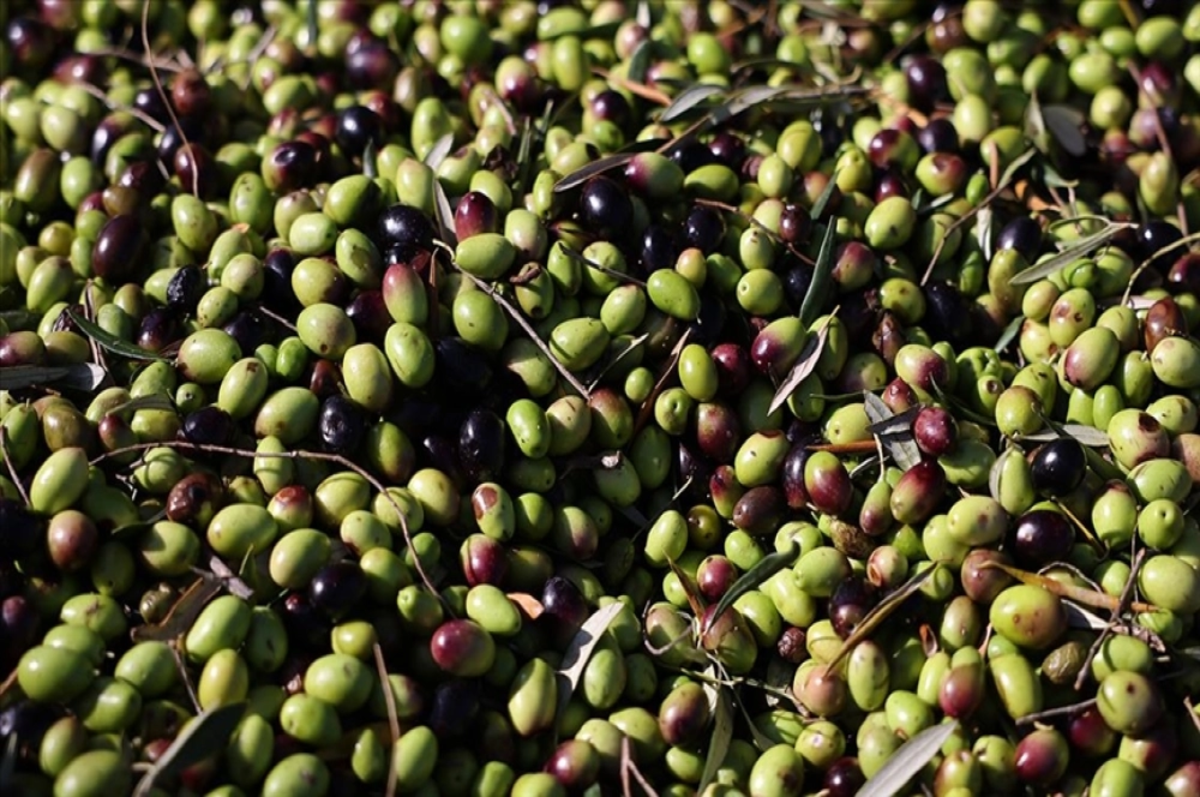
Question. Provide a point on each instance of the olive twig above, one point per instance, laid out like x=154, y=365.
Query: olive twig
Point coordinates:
x=337, y=459
x=12, y=469
x=136, y=113
x=1061, y=711
x=529, y=330
x=640, y=89
x=629, y=767
x=187, y=680
x=1117, y=610
x=163, y=94
x=389, y=700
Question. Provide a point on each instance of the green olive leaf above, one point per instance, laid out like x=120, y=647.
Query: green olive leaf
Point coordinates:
x=893, y=431
x=312, y=25
x=722, y=734
x=370, y=165
x=183, y=612
x=688, y=99
x=768, y=566
x=204, y=736
x=881, y=612
x=823, y=198
x=1087, y=435
x=1009, y=334
x=810, y=355
x=1066, y=125
x=438, y=152
x=1073, y=251
x=585, y=173
x=444, y=213
x=822, y=274
x=639, y=61
x=906, y=762
x=580, y=650
x=83, y=376
x=111, y=342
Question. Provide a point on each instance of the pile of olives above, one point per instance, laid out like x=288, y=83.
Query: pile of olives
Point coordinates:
x=462, y=397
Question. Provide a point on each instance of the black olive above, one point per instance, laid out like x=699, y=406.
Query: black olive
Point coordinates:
x=1058, y=467
x=337, y=588
x=342, y=425
x=405, y=228
x=605, y=207
x=1041, y=537
x=481, y=445
x=209, y=425
x=358, y=126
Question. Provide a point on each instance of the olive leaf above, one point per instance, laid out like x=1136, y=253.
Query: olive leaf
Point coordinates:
x=1073, y=251
x=983, y=230
x=111, y=342
x=766, y=567
x=585, y=173
x=580, y=650
x=438, y=152
x=183, y=612
x=1079, y=617
x=688, y=99
x=311, y=24
x=882, y=611
x=639, y=61
x=1014, y=166
x=823, y=198
x=1009, y=334
x=444, y=213
x=690, y=590
x=822, y=274
x=893, y=431
x=9, y=764
x=1087, y=435
x=810, y=355
x=1065, y=124
x=906, y=762
x=204, y=736
x=83, y=376
x=722, y=734
x=1088, y=597
x=370, y=165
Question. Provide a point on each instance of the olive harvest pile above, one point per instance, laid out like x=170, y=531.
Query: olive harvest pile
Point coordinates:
x=666, y=397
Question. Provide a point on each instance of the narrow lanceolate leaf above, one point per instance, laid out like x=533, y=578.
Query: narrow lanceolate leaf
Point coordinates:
x=1074, y=251
x=882, y=611
x=445, y=214
x=370, y=166
x=893, y=431
x=83, y=376
x=810, y=355
x=823, y=198
x=1079, y=617
x=205, y=736
x=1009, y=334
x=690, y=590
x=111, y=342
x=1066, y=125
x=689, y=99
x=585, y=173
x=1014, y=166
x=722, y=734
x=906, y=762
x=580, y=650
x=639, y=62
x=1087, y=435
x=182, y=614
x=438, y=152
x=768, y=566
x=822, y=274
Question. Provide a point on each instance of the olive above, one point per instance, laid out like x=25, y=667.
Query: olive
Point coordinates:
x=1058, y=466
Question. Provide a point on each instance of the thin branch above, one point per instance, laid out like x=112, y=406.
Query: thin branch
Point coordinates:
x=1051, y=713
x=1122, y=603
x=519, y=317
x=163, y=94
x=12, y=469
x=389, y=699
x=187, y=679
x=317, y=455
x=136, y=113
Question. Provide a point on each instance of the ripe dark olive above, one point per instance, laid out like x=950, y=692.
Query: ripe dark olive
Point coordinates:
x=455, y=707
x=337, y=588
x=483, y=560
x=704, y=229
x=1041, y=537
x=195, y=499
x=790, y=646
x=342, y=425
x=186, y=287
x=981, y=582
x=1154, y=236
x=947, y=314
x=927, y=84
x=159, y=328
x=605, y=207
x=119, y=249
x=564, y=605
x=1022, y=234
x=1058, y=467
x=938, y=136
x=844, y=778
x=356, y=128
x=290, y=166
x=209, y=425
x=692, y=155
x=249, y=328
x=760, y=510
x=368, y=312
x=935, y=431
x=659, y=249
x=481, y=445
x=474, y=214
x=277, y=293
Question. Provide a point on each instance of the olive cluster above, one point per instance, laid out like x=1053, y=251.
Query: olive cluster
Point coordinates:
x=531, y=398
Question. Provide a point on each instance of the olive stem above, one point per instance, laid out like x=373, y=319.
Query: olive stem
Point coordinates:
x=317, y=455
x=669, y=369
x=12, y=469
x=389, y=699
x=163, y=94
x=1061, y=711
x=1126, y=596
x=853, y=447
x=529, y=330
x=640, y=89
x=136, y=113
x=183, y=676
x=276, y=317
x=628, y=767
